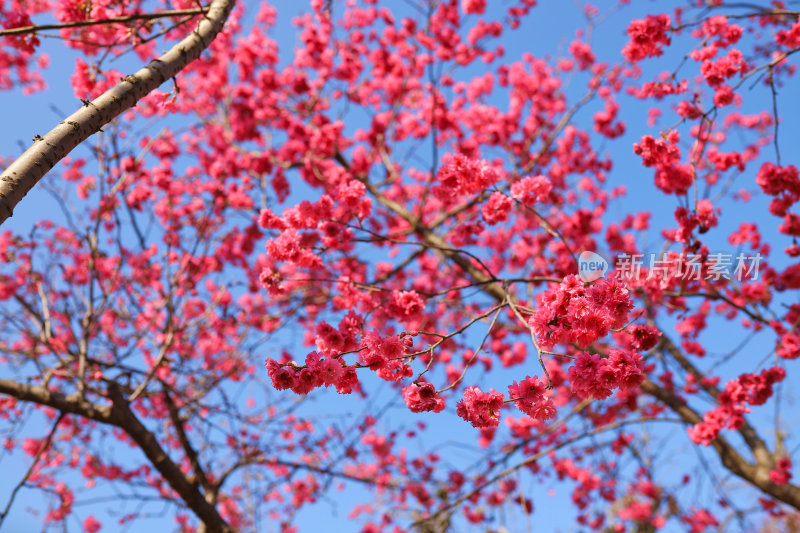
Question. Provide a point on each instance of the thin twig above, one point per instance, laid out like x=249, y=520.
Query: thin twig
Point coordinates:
x=474, y=355
x=121, y=19
x=43, y=448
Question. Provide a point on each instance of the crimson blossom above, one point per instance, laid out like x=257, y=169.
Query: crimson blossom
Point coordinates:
x=325, y=266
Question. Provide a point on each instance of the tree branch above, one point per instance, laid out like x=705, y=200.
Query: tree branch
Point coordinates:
x=119, y=414
x=43, y=447
x=189, y=493
x=121, y=19
x=72, y=404
x=756, y=475
x=749, y=434
x=30, y=167
x=183, y=438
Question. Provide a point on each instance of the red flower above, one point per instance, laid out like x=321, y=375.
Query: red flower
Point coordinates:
x=421, y=397
x=480, y=408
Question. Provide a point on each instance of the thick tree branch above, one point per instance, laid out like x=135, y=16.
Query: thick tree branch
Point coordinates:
x=189, y=493
x=756, y=475
x=183, y=438
x=30, y=167
x=749, y=434
x=119, y=414
x=72, y=404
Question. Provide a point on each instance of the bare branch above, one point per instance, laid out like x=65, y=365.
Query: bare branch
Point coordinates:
x=121, y=19
x=119, y=414
x=42, y=449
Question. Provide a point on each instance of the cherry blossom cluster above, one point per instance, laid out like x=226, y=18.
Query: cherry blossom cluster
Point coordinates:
x=660, y=89
x=718, y=32
x=26, y=42
x=530, y=397
x=703, y=218
x=386, y=355
x=747, y=389
x=647, y=37
x=783, y=182
x=788, y=345
x=699, y=520
x=461, y=175
x=782, y=473
x=593, y=376
x=643, y=337
x=532, y=189
x=19, y=62
x=473, y=7
x=422, y=396
x=576, y=313
x=480, y=408
x=789, y=38
x=318, y=371
x=497, y=208
x=664, y=155
x=717, y=72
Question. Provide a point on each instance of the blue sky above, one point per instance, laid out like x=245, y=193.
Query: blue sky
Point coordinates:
x=547, y=32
